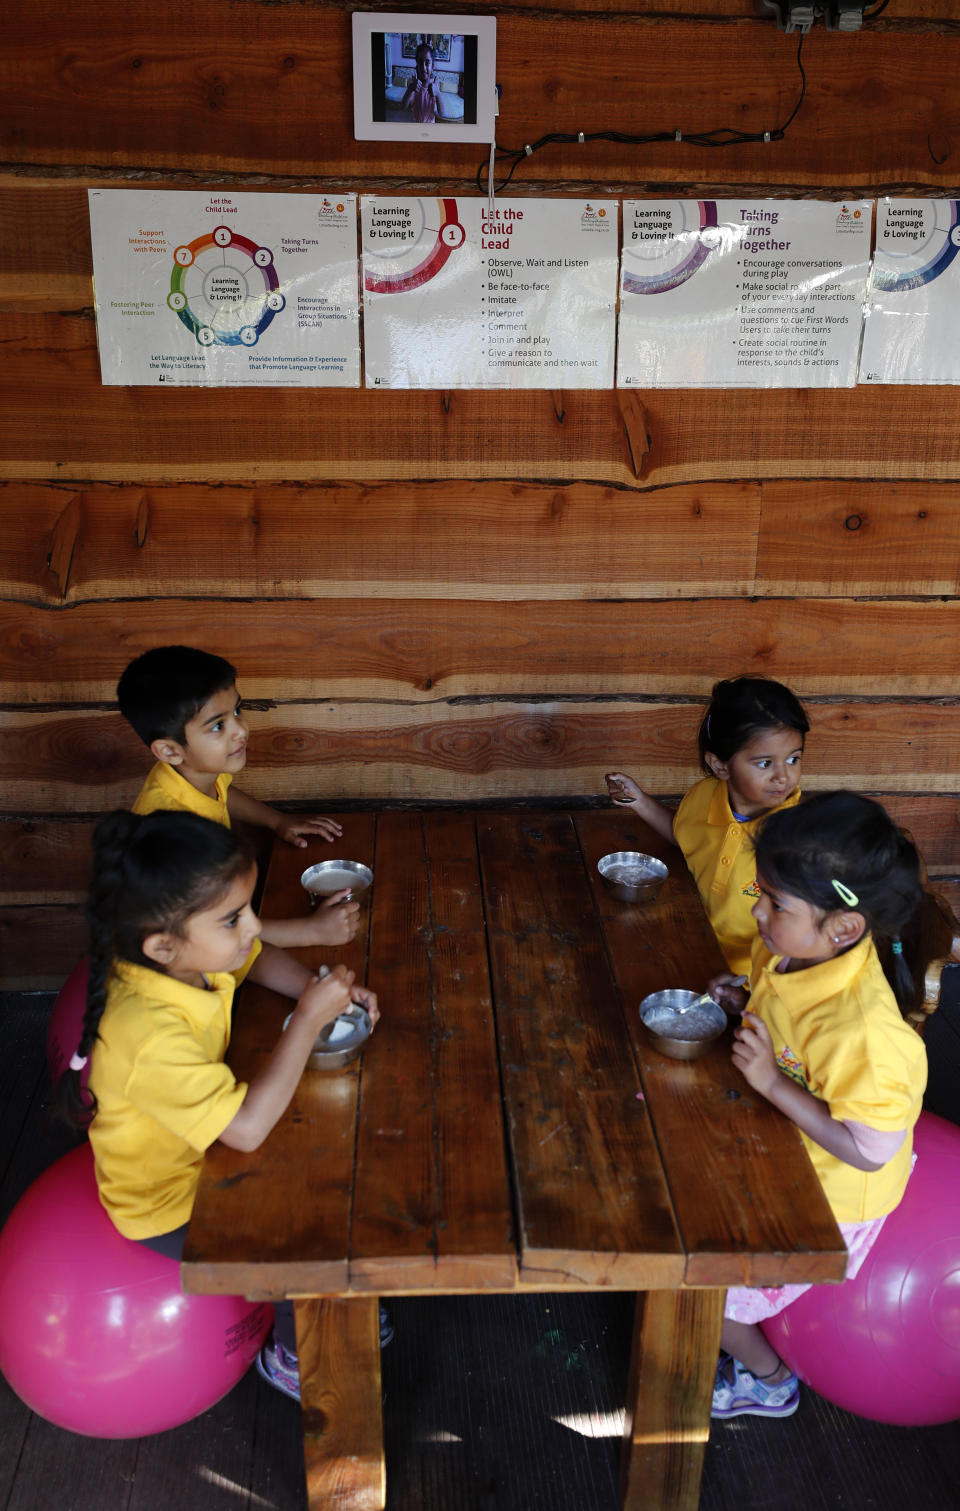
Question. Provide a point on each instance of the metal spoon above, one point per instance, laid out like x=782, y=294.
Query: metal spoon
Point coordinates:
x=705, y=997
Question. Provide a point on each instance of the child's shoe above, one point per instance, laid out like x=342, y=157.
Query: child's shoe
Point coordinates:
x=738, y=1393
x=279, y=1368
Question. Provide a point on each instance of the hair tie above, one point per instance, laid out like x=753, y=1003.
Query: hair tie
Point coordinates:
x=844, y=893
x=897, y=946
x=77, y=1062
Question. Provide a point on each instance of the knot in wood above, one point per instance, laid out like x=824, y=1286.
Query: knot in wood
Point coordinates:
x=853, y=522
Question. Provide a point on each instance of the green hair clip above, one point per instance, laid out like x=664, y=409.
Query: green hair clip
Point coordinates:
x=844, y=893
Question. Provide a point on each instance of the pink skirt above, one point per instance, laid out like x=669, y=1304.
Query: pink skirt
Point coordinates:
x=756, y=1303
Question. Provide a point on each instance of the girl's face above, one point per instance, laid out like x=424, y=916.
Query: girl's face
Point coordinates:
x=219, y=938
x=763, y=773
x=789, y=926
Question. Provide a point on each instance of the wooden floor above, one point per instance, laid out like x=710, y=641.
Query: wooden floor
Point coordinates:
x=492, y=1404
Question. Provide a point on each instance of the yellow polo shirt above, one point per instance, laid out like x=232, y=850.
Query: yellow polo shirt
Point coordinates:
x=837, y=1030
x=718, y=850
x=166, y=788
x=163, y=1093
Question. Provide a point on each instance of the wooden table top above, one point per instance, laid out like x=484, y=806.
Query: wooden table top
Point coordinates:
x=508, y=1126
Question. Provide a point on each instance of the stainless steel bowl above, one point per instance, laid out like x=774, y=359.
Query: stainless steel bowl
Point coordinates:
x=662, y=1009
x=333, y=875
x=346, y=1047
x=631, y=875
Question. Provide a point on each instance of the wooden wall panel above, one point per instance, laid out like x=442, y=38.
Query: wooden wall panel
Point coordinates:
x=88, y=762
x=421, y=652
x=83, y=431
x=227, y=88
x=454, y=539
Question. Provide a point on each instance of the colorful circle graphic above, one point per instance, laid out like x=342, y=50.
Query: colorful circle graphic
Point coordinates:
x=409, y=263
x=224, y=288
x=671, y=251
x=933, y=244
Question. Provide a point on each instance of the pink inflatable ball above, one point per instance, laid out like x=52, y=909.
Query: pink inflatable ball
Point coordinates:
x=95, y=1333
x=66, y=1021
x=886, y=1345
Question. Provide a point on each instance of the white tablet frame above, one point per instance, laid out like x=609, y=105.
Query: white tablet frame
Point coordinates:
x=367, y=25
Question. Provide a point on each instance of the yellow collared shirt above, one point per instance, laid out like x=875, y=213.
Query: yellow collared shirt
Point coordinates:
x=164, y=1094
x=719, y=853
x=837, y=1030
x=165, y=788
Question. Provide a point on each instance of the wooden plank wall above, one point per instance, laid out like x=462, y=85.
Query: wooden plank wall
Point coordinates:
x=467, y=595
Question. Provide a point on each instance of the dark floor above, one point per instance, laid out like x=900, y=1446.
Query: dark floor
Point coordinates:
x=500, y=1402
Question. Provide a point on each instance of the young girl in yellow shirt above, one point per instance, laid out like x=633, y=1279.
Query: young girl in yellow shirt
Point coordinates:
x=751, y=745
x=172, y=933
x=824, y=1040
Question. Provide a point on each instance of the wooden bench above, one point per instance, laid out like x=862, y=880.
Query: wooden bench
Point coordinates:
x=509, y=1129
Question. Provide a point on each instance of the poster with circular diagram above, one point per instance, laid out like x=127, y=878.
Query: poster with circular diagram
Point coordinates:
x=911, y=328
x=222, y=289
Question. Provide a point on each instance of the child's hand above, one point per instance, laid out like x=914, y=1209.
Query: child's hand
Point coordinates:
x=326, y=997
x=622, y=788
x=367, y=999
x=753, y=1054
x=292, y=827
x=728, y=991
x=334, y=921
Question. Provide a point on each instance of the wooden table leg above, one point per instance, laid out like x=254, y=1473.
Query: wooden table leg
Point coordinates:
x=673, y=1364
x=340, y=1397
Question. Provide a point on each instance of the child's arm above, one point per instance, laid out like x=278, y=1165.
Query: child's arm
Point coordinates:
x=288, y=826
x=626, y=794
x=269, y=1093
x=333, y=922
x=754, y=1057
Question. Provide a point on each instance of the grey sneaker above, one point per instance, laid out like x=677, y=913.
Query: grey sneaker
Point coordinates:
x=279, y=1368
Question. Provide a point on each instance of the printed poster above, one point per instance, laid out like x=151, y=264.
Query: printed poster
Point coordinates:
x=461, y=295
x=742, y=293
x=223, y=289
x=912, y=327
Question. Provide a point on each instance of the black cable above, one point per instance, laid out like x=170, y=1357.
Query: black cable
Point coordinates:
x=721, y=136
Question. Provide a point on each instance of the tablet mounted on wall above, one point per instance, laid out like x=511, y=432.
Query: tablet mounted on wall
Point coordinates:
x=423, y=78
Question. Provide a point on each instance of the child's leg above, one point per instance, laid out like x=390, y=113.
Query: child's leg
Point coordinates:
x=747, y=1342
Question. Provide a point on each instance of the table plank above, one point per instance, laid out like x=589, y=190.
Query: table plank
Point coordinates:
x=254, y=1231
x=593, y=1207
x=749, y=1206
x=431, y=1196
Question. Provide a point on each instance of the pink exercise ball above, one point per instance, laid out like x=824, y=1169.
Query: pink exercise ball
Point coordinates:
x=886, y=1345
x=66, y=1021
x=95, y=1332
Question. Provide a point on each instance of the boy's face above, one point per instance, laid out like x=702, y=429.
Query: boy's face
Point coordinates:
x=424, y=64
x=215, y=739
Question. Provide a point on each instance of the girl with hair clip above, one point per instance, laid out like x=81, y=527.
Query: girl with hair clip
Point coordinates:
x=824, y=1040
x=751, y=746
x=172, y=933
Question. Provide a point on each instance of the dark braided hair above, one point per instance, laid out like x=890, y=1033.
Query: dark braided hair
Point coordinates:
x=740, y=708
x=841, y=836
x=150, y=875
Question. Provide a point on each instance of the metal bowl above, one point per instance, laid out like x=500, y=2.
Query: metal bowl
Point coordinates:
x=346, y=1045
x=663, y=1022
x=631, y=875
x=333, y=875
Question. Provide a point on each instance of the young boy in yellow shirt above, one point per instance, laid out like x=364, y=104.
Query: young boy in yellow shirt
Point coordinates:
x=184, y=705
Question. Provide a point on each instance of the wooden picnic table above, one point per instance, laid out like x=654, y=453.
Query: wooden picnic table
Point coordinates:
x=507, y=1129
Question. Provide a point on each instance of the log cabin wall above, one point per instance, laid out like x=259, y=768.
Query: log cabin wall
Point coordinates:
x=472, y=594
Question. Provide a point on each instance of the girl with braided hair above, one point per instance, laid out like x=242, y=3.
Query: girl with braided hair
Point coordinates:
x=172, y=933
